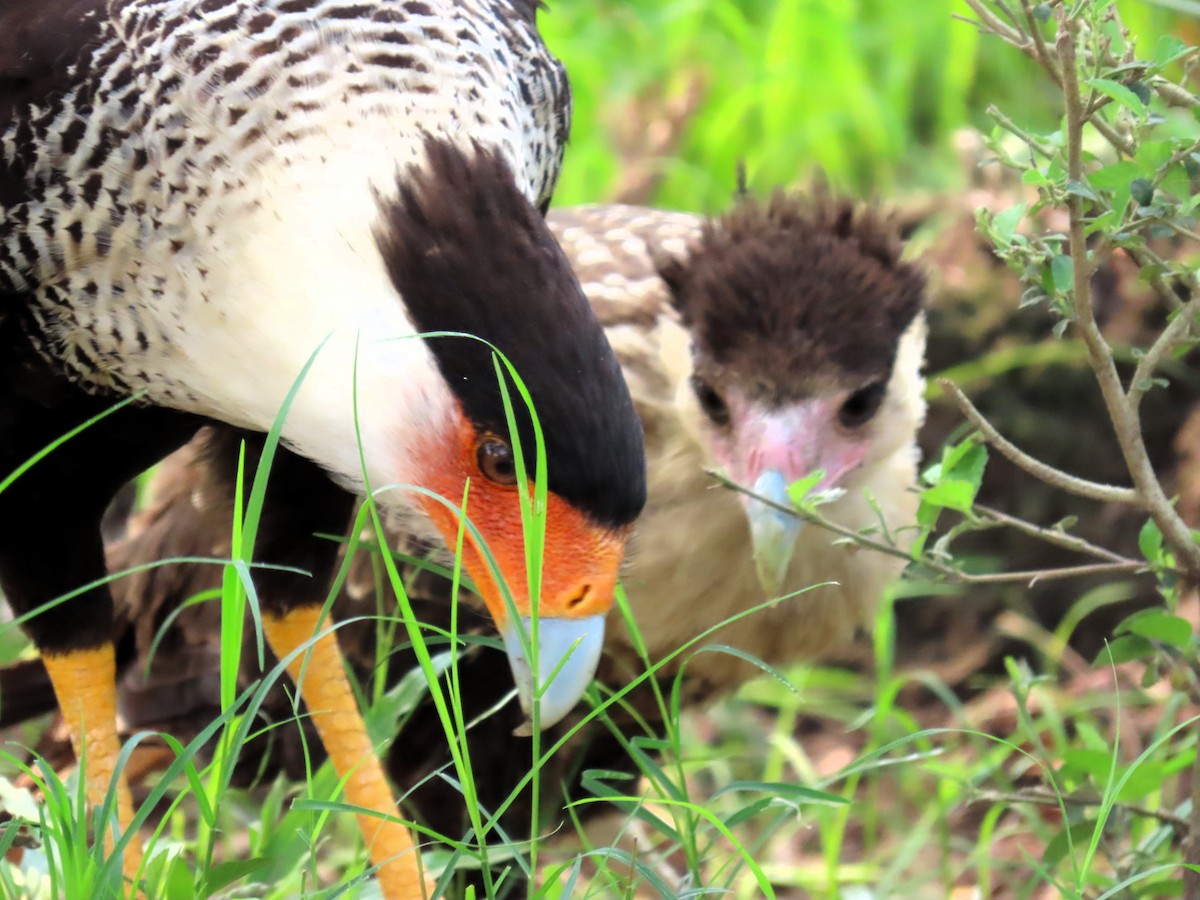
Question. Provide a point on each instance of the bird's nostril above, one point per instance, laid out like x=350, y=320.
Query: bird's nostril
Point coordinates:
x=582, y=594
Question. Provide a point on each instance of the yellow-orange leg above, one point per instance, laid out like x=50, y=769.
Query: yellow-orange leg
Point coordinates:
x=334, y=712
x=85, y=685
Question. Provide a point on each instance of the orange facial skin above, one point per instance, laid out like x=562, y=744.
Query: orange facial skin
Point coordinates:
x=580, y=560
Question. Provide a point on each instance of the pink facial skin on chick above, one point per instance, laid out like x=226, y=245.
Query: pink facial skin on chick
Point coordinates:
x=767, y=450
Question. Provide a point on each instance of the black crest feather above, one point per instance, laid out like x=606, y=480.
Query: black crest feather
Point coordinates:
x=469, y=253
x=799, y=288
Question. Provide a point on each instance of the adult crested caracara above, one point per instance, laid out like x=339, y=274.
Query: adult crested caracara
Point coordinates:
x=210, y=204
x=780, y=338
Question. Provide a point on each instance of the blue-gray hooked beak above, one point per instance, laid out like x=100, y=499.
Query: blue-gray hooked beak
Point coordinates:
x=773, y=532
x=568, y=653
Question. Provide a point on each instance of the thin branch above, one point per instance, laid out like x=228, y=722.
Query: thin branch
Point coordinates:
x=815, y=518
x=990, y=22
x=1119, y=142
x=1149, y=262
x=1031, y=43
x=1053, y=536
x=1045, y=797
x=1125, y=422
x=1031, y=577
x=1181, y=230
x=1172, y=94
x=1034, y=144
x=1028, y=577
x=1003, y=7
x=1093, y=490
x=1040, y=52
x=1178, y=331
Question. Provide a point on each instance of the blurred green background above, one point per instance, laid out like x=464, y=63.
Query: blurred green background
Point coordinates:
x=670, y=94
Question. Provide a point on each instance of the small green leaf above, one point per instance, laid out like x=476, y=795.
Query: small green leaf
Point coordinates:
x=950, y=494
x=1158, y=890
x=1142, y=92
x=799, y=490
x=1062, y=843
x=607, y=775
x=1168, y=49
x=179, y=879
x=745, y=813
x=1150, y=541
x=1177, y=183
x=1062, y=273
x=1162, y=627
x=1090, y=762
x=1005, y=223
x=223, y=874
x=1079, y=189
x=957, y=480
x=1102, y=222
x=1154, y=155
x=959, y=458
x=1152, y=673
x=1151, y=271
x=1142, y=190
x=1140, y=781
x=1124, y=649
x=1114, y=179
x=1118, y=92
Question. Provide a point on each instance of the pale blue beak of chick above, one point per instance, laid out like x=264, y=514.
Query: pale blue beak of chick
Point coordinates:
x=773, y=532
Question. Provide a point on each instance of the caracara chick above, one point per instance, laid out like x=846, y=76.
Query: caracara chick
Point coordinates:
x=783, y=337
x=779, y=339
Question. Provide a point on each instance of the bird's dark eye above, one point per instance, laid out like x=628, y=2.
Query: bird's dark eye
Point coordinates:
x=711, y=402
x=496, y=461
x=862, y=405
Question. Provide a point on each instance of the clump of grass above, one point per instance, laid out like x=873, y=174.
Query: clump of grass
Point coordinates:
x=871, y=92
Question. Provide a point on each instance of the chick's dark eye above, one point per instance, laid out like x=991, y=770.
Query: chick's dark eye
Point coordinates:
x=711, y=402
x=862, y=405
x=495, y=459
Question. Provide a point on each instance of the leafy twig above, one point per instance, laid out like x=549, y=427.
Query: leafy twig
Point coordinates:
x=990, y=23
x=1039, y=51
x=1121, y=411
x=1029, y=576
x=1053, y=536
x=1150, y=262
x=1093, y=490
x=1172, y=336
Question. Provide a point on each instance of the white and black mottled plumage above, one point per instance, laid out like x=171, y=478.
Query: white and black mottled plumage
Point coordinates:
x=822, y=332
x=185, y=131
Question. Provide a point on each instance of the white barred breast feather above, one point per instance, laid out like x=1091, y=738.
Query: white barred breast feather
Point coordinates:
x=208, y=154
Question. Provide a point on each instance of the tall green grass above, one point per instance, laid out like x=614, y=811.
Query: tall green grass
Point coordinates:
x=870, y=91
